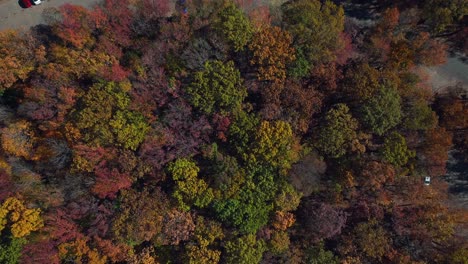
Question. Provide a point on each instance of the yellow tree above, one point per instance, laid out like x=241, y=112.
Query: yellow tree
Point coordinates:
x=21, y=220
x=272, y=51
x=16, y=58
x=18, y=139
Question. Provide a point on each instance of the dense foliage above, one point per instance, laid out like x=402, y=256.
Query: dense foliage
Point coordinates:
x=230, y=132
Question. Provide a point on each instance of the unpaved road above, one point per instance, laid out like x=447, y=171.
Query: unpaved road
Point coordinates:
x=13, y=16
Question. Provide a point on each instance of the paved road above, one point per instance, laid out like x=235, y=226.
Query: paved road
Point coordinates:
x=12, y=15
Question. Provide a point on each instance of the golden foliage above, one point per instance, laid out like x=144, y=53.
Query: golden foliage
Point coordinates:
x=272, y=51
x=18, y=139
x=21, y=220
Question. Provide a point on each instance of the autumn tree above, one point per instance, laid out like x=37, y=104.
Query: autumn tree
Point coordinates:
x=218, y=88
x=322, y=221
x=361, y=81
x=20, y=220
x=315, y=27
x=18, y=139
x=438, y=142
x=17, y=57
x=140, y=215
x=272, y=52
x=206, y=234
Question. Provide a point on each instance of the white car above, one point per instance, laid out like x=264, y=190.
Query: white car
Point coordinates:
x=427, y=180
x=36, y=2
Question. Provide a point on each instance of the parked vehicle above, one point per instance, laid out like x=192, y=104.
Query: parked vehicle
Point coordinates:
x=26, y=3
x=29, y=3
x=427, y=180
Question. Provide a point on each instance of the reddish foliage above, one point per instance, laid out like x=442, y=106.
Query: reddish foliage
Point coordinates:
x=114, y=73
x=221, y=124
x=151, y=92
x=115, y=252
x=118, y=19
x=109, y=181
x=346, y=51
x=6, y=185
x=322, y=220
x=40, y=252
x=435, y=150
x=177, y=227
x=61, y=227
x=77, y=25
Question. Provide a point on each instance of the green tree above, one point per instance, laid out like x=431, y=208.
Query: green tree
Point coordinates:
x=372, y=239
x=190, y=190
x=319, y=255
x=395, y=150
x=242, y=130
x=10, y=250
x=315, y=26
x=217, y=88
x=234, y=26
x=361, y=82
x=336, y=135
x=419, y=116
x=274, y=145
x=129, y=128
x=206, y=232
x=248, y=210
x=440, y=14
x=244, y=250
x=382, y=111
x=105, y=120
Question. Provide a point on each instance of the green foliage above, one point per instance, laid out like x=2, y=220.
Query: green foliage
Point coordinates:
x=129, y=128
x=10, y=250
x=337, y=132
x=382, y=111
x=244, y=250
x=104, y=119
x=372, y=239
x=242, y=130
x=234, y=26
x=315, y=27
x=301, y=66
x=279, y=242
x=249, y=209
x=319, y=255
x=189, y=189
x=395, y=150
x=460, y=256
x=441, y=14
x=206, y=232
x=288, y=198
x=274, y=145
x=217, y=88
x=419, y=116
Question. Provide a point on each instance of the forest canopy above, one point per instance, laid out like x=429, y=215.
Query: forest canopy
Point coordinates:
x=228, y=131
